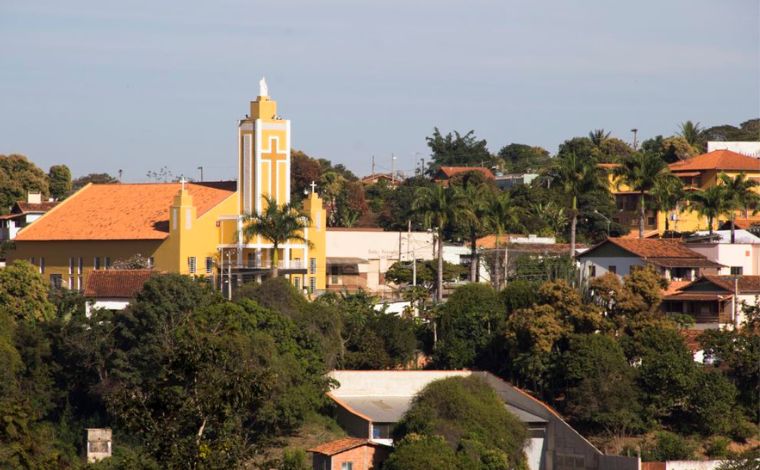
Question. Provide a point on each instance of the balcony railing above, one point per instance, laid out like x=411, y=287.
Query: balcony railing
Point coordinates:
x=264, y=265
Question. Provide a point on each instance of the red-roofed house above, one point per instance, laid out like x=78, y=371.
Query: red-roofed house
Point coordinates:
x=714, y=301
x=445, y=173
x=22, y=214
x=113, y=289
x=349, y=453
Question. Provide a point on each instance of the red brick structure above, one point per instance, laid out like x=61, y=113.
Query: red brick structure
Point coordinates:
x=349, y=453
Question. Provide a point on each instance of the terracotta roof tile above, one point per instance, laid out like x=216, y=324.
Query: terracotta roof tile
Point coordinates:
x=116, y=283
x=660, y=252
x=450, y=171
x=718, y=160
x=340, y=445
x=747, y=284
x=24, y=206
x=121, y=211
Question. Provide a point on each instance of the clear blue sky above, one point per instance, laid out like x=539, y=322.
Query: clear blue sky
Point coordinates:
x=137, y=85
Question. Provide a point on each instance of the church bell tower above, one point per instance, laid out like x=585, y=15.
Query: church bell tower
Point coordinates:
x=264, y=154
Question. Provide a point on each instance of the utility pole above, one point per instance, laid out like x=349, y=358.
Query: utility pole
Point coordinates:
x=393, y=168
x=201, y=168
x=635, y=131
x=120, y=172
x=229, y=276
x=414, y=269
x=373, y=165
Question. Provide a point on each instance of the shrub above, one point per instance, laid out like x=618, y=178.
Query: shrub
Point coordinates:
x=668, y=446
x=717, y=447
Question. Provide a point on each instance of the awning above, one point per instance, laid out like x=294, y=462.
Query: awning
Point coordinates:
x=345, y=261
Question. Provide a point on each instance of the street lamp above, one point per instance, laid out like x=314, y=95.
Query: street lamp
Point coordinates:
x=605, y=218
x=635, y=131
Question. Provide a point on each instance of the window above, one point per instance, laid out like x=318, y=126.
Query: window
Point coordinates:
x=250, y=260
x=33, y=261
x=56, y=281
x=312, y=265
x=107, y=262
x=737, y=270
x=347, y=466
x=96, y=263
x=381, y=430
x=612, y=268
x=592, y=270
x=42, y=265
x=80, y=266
x=312, y=284
x=191, y=264
x=297, y=283
x=209, y=264
x=151, y=262
x=71, y=266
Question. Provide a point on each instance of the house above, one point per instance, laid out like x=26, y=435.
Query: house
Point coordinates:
x=714, y=301
x=349, y=453
x=696, y=173
x=358, y=258
x=186, y=228
x=113, y=289
x=670, y=258
x=390, y=179
x=748, y=148
x=369, y=403
x=740, y=258
x=445, y=173
x=22, y=214
x=510, y=180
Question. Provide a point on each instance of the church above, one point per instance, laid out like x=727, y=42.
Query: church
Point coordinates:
x=193, y=228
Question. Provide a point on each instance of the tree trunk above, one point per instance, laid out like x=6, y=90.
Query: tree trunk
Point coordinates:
x=733, y=227
x=506, y=261
x=496, y=268
x=275, y=262
x=473, y=256
x=710, y=221
x=439, y=292
x=642, y=214
x=667, y=222
x=573, y=225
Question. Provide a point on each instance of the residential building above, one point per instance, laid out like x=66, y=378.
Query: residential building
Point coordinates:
x=113, y=289
x=358, y=258
x=739, y=258
x=22, y=214
x=670, y=258
x=714, y=301
x=187, y=228
x=392, y=180
x=510, y=180
x=751, y=149
x=349, y=453
x=445, y=173
x=697, y=173
x=369, y=403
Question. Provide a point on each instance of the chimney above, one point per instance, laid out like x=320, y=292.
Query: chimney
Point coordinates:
x=34, y=197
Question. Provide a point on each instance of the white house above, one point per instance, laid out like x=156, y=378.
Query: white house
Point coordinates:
x=740, y=258
x=113, y=289
x=22, y=214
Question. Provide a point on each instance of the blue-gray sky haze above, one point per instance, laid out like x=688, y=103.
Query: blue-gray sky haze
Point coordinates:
x=141, y=84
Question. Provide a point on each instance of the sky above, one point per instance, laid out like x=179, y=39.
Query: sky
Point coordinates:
x=138, y=85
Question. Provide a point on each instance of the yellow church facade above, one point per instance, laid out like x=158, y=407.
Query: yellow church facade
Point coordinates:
x=696, y=173
x=191, y=228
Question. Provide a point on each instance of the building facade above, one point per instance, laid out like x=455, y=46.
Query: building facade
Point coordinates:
x=186, y=228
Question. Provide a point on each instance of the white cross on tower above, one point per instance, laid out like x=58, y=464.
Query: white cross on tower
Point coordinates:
x=313, y=187
x=183, y=181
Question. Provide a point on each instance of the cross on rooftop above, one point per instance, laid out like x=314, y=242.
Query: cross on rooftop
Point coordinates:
x=183, y=181
x=313, y=187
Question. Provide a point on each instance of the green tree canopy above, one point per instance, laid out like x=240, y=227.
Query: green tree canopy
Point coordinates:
x=59, y=180
x=94, y=178
x=18, y=177
x=521, y=158
x=455, y=149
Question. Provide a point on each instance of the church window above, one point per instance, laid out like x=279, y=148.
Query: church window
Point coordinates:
x=297, y=283
x=71, y=266
x=209, y=264
x=42, y=265
x=96, y=263
x=56, y=281
x=80, y=266
x=312, y=265
x=107, y=262
x=191, y=264
x=151, y=262
x=312, y=284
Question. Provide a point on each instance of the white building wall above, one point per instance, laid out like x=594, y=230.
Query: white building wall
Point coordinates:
x=742, y=255
x=746, y=148
x=602, y=263
x=377, y=245
x=108, y=304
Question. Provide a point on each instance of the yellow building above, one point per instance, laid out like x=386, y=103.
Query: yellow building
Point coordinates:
x=696, y=173
x=187, y=228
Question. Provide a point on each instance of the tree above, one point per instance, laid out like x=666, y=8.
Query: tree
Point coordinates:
x=401, y=273
x=747, y=131
x=575, y=176
x=440, y=206
x=59, y=181
x=693, y=133
x=18, y=177
x=279, y=224
x=94, y=178
x=598, y=137
x=712, y=404
x=666, y=194
x=397, y=207
x=640, y=172
x=520, y=158
x=601, y=394
x=457, y=150
x=501, y=216
x=479, y=197
x=472, y=419
x=422, y=452
x=24, y=294
x=304, y=171
x=467, y=324
x=739, y=194
x=709, y=203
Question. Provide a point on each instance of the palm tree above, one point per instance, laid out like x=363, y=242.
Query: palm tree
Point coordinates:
x=502, y=214
x=666, y=193
x=552, y=214
x=575, y=176
x=739, y=195
x=598, y=137
x=440, y=206
x=693, y=133
x=478, y=198
x=279, y=224
x=709, y=203
x=639, y=172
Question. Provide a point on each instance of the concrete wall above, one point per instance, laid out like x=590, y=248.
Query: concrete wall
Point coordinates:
x=365, y=457
x=739, y=254
x=355, y=426
x=602, y=263
x=373, y=244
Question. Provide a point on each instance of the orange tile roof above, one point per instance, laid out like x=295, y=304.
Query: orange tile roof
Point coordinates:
x=24, y=206
x=340, y=445
x=116, y=283
x=121, y=211
x=450, y=171
x=674, y=287
x=745, y=224
x=655, y=248
x=717, y=160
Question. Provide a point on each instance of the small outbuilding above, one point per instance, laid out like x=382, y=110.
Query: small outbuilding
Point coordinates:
x=349, y=453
